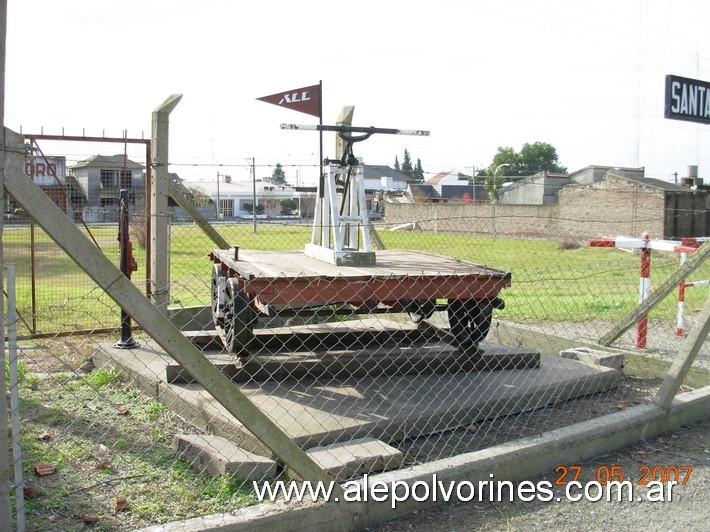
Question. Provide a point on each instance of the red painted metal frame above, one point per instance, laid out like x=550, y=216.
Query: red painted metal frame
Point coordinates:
x=357, y=291
x=363, y=289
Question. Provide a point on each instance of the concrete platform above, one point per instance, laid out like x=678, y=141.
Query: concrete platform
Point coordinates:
x=369, y=347
x=389, y=408
x=370, y=363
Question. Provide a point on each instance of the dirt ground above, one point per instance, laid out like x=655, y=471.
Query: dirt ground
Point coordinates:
x=689, y=509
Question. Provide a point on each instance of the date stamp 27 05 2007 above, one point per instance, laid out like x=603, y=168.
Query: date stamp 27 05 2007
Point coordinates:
x=679, y=474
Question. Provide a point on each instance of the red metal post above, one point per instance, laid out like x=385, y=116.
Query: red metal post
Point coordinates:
x=681, y=300
x=644, y=291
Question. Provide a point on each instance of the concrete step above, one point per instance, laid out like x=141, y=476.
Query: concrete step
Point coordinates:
x=595, y=357
x=219, y=456
x=365, y=455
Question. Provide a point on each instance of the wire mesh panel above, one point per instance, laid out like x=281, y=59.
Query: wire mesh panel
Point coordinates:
x=83, y=176
x=453, y=341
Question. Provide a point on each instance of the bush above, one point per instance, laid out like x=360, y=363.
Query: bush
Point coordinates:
x=569, y=244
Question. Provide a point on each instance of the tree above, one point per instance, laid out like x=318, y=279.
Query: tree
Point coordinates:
x=540, y=157
x=532, y=158
x=418, y=173
x=407, y=168
x=288, y=206
x=492, y=184
x=248, y=207
x=505, y=156
x=269, y=202
x=278, y=176
x=407, y=164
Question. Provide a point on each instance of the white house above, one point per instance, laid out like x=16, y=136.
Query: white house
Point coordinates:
x=235, y=198
x=449, y=186
x=382, y=177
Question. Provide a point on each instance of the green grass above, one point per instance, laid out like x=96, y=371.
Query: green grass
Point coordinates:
x=108, y=441
x=548, y=283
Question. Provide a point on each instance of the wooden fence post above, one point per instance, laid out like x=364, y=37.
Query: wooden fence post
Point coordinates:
x=693, y=263
x=684, y=360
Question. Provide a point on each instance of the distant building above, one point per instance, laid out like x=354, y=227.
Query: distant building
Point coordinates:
x=595, y=173
x=99, y=180
x=382, y=177
x=235, y=198
x=50, y=174
x=543, y=188
x=448, y=187
x=624, y=204
x=537, y=189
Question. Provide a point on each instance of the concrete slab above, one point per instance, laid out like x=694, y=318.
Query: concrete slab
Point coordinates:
x=219, y=456
x=385, y=360
x=346, y=459
x=315, y=413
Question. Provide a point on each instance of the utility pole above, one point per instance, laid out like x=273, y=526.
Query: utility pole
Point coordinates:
x=473, y=181
x=218, y=209
x=253, y=207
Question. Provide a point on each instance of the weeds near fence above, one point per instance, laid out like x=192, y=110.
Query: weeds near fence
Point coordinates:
x=109, y=446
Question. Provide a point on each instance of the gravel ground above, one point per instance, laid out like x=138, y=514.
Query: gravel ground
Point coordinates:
x=689, y=509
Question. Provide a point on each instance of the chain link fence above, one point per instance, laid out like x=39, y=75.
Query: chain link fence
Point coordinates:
x=452, y=342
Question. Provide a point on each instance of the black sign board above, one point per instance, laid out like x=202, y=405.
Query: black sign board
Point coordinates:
x=687, y=99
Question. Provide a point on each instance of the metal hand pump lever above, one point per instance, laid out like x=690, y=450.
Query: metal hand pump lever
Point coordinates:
x=348, y=158
x=335, y=228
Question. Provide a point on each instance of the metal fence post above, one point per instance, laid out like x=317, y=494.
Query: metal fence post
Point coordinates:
x=5, y=510
x=15, y=397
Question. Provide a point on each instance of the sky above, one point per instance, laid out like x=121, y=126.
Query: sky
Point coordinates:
x=584, y=76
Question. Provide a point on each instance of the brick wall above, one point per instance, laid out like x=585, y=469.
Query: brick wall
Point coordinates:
x=483, y=218
x=607, y=208
x=604, y=209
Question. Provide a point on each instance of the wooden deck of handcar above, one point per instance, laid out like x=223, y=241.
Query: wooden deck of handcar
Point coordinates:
x=294, y=279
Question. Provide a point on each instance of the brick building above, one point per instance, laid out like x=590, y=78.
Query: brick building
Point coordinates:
x=615, y=205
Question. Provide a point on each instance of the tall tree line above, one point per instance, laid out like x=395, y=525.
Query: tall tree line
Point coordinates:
x=416, y=172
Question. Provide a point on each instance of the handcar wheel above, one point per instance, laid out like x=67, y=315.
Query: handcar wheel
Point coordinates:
x=219, y=295
x=238, y=319
x=470, y=321
x=420, y=310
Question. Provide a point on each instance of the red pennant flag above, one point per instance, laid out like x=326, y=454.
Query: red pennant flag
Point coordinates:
x=305, y=100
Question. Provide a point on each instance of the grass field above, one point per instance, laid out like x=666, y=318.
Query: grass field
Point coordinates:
x=551, y=282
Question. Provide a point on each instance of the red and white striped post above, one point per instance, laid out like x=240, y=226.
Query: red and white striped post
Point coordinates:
x=684, y=246
x=681, y=299
x=687, y=245
x=644, y=292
